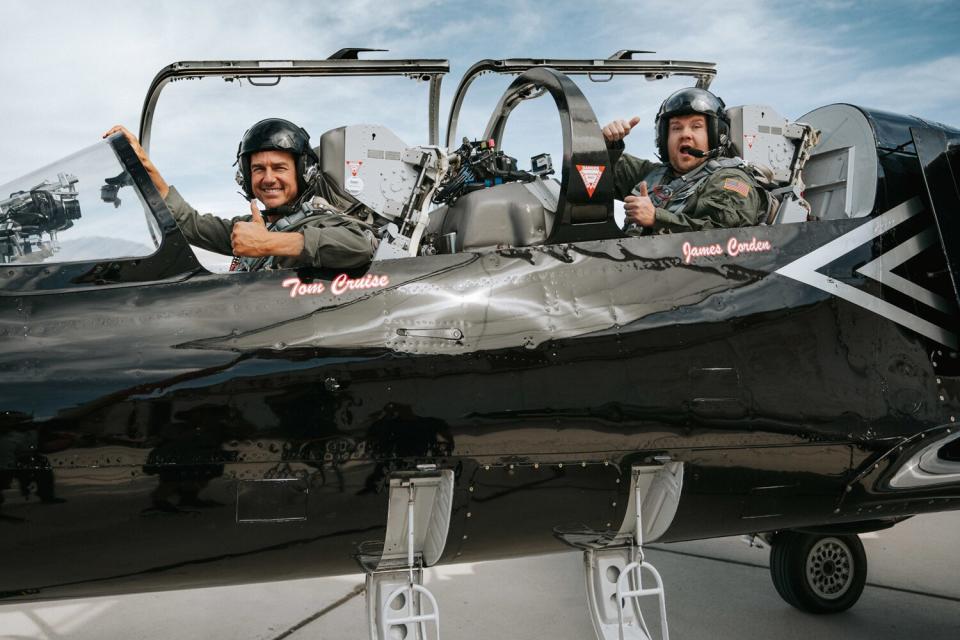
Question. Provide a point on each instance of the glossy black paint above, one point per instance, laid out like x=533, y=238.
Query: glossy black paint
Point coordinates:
x=145, y=411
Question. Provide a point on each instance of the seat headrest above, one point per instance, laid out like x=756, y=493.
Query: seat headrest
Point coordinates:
x=332, y=162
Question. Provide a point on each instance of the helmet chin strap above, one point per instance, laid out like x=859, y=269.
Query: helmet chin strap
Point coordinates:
x=282, y=210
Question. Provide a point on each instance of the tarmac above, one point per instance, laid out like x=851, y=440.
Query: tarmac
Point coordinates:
x=715, y=589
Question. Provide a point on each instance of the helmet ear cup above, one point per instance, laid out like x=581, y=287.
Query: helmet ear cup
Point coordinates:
x=661, y=138
x=724, y=138
x=243, y=176
x=307, y=164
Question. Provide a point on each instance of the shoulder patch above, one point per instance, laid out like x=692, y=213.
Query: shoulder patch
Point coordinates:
x=737, y=186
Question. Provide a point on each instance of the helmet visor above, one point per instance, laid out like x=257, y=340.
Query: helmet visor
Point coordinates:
x=275, y=134
x=701, y=104
x=692, y=101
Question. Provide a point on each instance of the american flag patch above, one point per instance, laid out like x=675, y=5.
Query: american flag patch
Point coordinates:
x=737, y=186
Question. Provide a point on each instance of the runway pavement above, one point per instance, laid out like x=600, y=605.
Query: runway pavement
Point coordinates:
x=716, y=589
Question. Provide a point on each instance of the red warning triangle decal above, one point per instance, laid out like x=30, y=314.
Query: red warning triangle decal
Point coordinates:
x=590, y=174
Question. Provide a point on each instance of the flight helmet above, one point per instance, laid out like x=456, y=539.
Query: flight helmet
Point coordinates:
x=279, y=135
x=691, y=101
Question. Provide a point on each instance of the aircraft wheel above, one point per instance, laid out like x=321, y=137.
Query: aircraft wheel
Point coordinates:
x=817, y=573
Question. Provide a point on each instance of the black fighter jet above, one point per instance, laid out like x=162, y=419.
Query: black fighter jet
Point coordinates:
x=511, y=374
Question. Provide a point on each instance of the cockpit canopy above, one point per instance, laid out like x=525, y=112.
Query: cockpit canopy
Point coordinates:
x=84, y=207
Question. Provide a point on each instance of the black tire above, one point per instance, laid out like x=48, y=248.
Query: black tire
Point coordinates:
x=818, y=573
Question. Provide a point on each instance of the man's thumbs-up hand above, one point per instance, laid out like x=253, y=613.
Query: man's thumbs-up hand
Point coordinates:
x=639, y=208
x=251, y=239
x=619, y=129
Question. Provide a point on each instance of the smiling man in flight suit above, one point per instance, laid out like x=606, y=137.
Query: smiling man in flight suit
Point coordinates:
x=274, y=157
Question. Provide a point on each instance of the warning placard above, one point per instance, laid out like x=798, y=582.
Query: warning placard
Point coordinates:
x=590, y=174
x=354, y=167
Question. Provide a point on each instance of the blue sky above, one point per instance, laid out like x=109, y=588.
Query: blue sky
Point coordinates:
x=73, y=69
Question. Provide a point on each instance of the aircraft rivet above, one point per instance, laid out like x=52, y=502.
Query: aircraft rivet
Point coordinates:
x=953, y=419
x=618, y=480
x=486, y=467
x=613, y=504
x=876, y=466
x=511, y=467
x=583, y=464
x=465, y=537
x=849, y=488
x=942, y=398
x=560, y=465
x=608, y=524
x=606, y=463
x=469, y=515
x=471, y=489
x=939, y=381
x=536, y=465
x=836, y=510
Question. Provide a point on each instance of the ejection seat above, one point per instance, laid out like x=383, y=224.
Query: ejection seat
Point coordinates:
x=776, y=150
x=823, y=169
x=512, y=214
x=332, y=165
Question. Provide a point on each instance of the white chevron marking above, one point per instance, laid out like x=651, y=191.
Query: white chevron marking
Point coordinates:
x=804, y=270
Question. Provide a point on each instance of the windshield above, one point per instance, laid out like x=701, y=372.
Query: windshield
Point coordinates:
x=84, y=207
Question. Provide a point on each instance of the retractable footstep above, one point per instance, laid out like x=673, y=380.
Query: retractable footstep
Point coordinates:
x=418, y=519
x=618, y=578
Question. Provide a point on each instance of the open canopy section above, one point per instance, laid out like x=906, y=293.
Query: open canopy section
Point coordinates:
x=269, y=73
x=602, y=70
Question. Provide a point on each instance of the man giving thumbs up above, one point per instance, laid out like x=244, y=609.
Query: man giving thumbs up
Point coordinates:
x=698, y=185
x=274, y=158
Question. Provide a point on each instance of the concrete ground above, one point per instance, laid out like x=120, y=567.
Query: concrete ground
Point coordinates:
x=715, y=589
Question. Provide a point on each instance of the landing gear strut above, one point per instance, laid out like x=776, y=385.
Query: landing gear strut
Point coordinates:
x=818, y=573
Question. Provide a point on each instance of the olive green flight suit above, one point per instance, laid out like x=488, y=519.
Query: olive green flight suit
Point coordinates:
x=330, y=240
x=729, y=197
